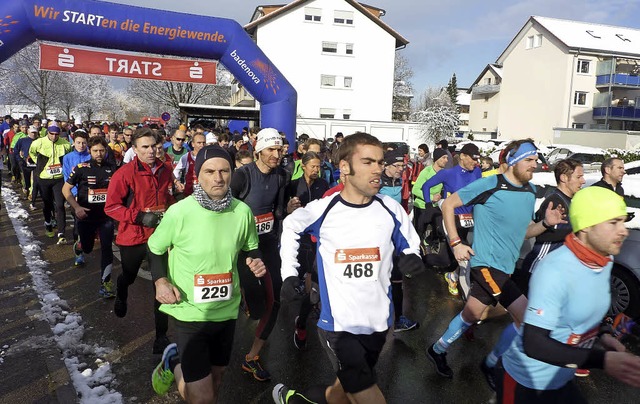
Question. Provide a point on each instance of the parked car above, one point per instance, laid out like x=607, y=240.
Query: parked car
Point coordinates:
x=625, y=277
x=590, y=157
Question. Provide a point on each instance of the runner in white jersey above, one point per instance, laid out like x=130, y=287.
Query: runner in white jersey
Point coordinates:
x=359, y=233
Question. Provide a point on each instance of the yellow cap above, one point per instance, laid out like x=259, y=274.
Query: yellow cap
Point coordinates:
x=593, y=205
x=182, y=127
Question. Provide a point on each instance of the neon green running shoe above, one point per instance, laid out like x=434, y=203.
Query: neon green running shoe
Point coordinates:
x=162, y=376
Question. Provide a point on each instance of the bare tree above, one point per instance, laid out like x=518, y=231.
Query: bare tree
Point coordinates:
x=24, y=83
x=402, y=88
x=170, y=95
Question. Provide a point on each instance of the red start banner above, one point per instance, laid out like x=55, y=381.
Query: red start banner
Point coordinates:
x=69, y=59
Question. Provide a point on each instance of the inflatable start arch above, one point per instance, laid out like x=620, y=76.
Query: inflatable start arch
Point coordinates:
x=131, y=28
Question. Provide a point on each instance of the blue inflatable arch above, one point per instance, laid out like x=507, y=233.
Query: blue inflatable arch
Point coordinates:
x=131, y=28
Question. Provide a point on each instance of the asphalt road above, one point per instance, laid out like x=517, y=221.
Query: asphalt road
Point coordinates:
x=37, y=374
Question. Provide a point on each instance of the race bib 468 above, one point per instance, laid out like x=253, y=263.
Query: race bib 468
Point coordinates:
x=358, y=264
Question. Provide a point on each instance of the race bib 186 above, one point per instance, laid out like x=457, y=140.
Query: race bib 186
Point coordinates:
x=264, y=223
x=97, y=195
x=358, y=264
x=212, y=288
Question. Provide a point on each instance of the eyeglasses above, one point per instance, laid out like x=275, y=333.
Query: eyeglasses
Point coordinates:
x=180, y=139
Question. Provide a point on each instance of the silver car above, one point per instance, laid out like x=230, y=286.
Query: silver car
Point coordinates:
x=625, y=277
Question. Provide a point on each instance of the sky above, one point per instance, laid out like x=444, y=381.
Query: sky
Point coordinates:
x=445, y=37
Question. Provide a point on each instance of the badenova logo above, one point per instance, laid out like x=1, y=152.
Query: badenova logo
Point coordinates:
x=242, y=63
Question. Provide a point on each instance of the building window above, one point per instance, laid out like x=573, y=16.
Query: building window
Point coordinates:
x=485, y=115
x=346, y=114
x=583, y=66
x=349, y=49
x=347, y=82
x=312, y=14
x=580, y=98
x=529, y=42
x=537, y=40
x=327, y=81
x=487, y=81
x=330, y=47
x=486, y=98
x=534, y=41
x=343, y=17
x=577, y=125
x=327, y=113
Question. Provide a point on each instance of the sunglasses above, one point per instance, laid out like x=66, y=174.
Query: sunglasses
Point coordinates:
x=180, y=139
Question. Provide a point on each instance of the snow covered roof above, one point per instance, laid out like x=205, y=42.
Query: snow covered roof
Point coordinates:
x=597, y=37
x=464, y=98
x=583, y=36
x=495, y=68
x=265, y=13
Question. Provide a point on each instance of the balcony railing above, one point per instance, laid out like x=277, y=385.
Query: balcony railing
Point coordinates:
x=618, y=79
x=486, y=89
x=617, y=112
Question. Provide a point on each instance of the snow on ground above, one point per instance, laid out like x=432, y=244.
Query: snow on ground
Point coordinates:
x=92, y=383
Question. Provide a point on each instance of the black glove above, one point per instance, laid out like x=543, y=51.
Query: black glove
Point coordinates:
x=410, y=265
x=148, y=219
x=288, y=291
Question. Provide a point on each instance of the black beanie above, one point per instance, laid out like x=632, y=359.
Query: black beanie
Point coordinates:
x=437, y=153
x=209, y=152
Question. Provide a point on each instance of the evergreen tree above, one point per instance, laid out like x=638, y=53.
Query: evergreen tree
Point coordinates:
x=452, y=89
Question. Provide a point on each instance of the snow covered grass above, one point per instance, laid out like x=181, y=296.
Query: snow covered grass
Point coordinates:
x=93, y=384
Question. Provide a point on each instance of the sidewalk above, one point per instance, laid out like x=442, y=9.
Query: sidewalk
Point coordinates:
x=31, y=365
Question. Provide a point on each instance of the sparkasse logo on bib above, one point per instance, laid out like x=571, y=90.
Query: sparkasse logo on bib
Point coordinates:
x=242, y=63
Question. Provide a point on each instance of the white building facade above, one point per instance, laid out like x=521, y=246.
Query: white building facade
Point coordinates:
x=561, y=74
x=337, y=54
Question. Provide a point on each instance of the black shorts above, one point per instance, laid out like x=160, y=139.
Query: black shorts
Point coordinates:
x=509, y=391
x=357, y=354
x=202, y=345
x=492, y=286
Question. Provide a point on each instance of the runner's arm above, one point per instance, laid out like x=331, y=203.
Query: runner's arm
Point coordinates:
x=117, y=194
x=539, y=345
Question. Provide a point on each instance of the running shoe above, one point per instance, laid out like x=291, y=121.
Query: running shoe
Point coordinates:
x=120, y=307
x=48, y=230
x=106, y=290
x=451, y=283
x=299, y=336
x=162, y=376
x=61, y=239
x=281, y=393
x=160, y=343
x=440, y=363
x=405, y=324
x=79, y=260
x=582, y=372
x=623, y=325
x=254, y=367
x=489, y=374
x=32, y=207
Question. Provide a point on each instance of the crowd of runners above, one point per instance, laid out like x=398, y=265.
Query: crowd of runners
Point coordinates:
x=231, y=223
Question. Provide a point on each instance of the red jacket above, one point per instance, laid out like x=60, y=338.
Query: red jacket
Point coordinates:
x=134, y=189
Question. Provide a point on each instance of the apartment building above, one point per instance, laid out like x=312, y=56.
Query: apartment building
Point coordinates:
x=558, y=74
